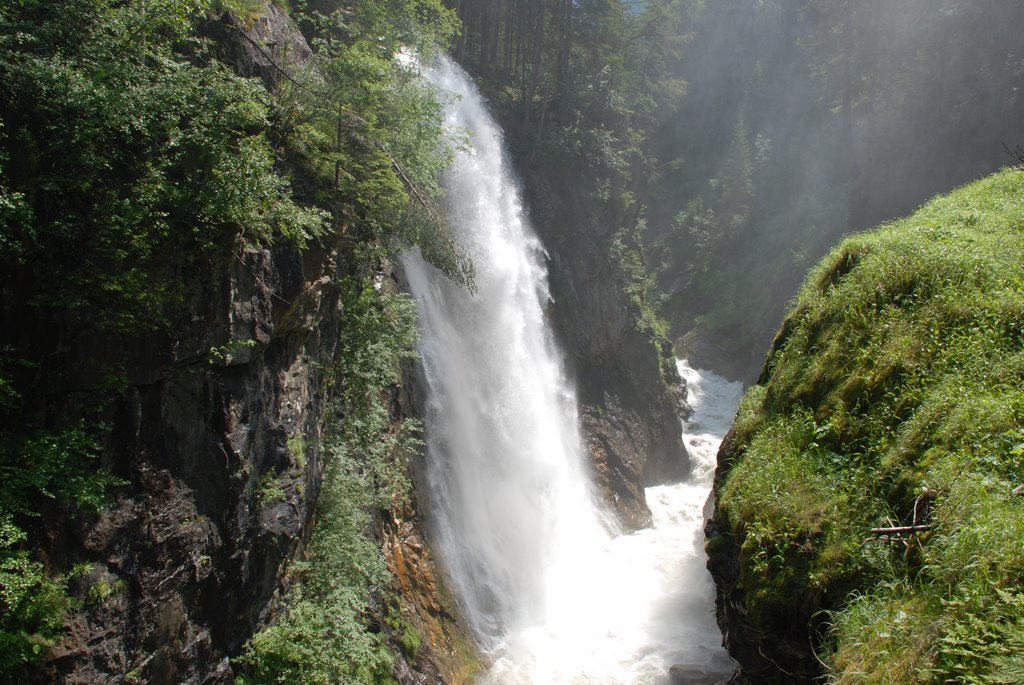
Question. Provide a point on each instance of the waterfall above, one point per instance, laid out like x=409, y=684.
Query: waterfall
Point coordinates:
x=548, y=589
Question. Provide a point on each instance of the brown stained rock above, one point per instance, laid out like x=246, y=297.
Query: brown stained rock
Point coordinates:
x=446, y=653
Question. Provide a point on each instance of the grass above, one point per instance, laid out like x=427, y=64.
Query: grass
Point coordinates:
x=897, y=379
x=297, y=446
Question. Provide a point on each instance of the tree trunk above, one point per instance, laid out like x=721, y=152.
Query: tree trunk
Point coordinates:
x=540, y=129
x=460, y=44
x=492, y=54
x=847, y=150
x=507, y=66
x=538, y=44
x=564, y=51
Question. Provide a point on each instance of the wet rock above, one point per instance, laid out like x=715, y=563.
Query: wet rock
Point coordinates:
x=446, y=655
x=630, y=394
x=692, y=674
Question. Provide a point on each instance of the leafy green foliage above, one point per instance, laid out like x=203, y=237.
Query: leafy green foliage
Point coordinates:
x=134, y=165
x=53, y=470
x=323, y=636
x=117, y=150
x=100, y=591
x=62, y=467
x=367, y=130
x=31, y=605
x=893, y=396
x=126, y=157
x=244, y=10
x=326, y=634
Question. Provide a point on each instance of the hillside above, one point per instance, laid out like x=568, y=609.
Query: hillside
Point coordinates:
x=200, y=344
x=892, y=398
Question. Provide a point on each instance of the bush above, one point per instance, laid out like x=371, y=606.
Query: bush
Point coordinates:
x=31, y=605
x=61, y=468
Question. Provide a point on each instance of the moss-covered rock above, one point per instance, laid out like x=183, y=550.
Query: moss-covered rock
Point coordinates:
x=892, y=397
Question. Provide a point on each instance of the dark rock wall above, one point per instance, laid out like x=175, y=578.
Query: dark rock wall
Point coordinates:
x=630, y=394
x=221, y=453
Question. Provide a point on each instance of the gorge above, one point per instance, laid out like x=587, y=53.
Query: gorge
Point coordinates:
x=313, y=370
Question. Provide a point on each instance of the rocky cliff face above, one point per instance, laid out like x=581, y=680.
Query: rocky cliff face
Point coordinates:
x=266, y=49
x=218, y=439
x=447, y=654
x=218, y=442
x=631, y=397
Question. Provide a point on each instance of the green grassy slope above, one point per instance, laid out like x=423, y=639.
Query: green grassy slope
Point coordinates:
x=893, y=396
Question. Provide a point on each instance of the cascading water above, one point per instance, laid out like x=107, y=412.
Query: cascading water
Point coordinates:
x=548, y=589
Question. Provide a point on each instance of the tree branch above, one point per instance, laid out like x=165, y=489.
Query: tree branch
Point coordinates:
x=1017, y=153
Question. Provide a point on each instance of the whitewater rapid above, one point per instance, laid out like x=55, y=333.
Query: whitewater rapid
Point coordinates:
x=649, y=598
x=552, y=594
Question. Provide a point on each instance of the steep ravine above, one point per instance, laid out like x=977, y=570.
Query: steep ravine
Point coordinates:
x=219, y=441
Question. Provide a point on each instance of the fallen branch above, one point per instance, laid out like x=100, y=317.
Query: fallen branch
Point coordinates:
x=900, y=531
x=1017, y=153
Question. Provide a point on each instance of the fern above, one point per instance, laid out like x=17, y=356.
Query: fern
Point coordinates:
x=1008, y=669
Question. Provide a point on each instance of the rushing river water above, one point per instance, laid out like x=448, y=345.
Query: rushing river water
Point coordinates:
x=549, y=589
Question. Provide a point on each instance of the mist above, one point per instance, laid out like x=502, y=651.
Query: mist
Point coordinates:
x=803, y=121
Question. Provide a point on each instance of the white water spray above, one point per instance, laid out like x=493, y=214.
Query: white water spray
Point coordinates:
x=549, y=592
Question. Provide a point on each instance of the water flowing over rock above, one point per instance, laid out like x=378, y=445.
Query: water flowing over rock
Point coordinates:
x=506, y=473
x=626, y=381
x=548, y=588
